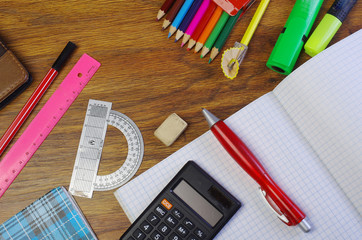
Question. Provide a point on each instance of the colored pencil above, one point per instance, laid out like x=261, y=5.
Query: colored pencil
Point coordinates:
x=164, y=8
x=195, y=21
x=249, y=32
x=208, y=29
x=188, y=18
x=180, y=16
x=200, y=27
x=215, y=33
x=36, y=96
x=220, y=41
x=170, y=16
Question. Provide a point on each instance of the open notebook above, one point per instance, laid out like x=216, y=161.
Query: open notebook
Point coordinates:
x=307, y=133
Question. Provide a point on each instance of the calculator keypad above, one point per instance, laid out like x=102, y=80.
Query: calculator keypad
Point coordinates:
x=166, y=222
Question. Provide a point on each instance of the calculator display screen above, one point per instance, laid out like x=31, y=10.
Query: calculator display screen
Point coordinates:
x=198, y=203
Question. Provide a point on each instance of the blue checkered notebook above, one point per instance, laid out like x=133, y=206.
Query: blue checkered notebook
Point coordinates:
x=54, y=216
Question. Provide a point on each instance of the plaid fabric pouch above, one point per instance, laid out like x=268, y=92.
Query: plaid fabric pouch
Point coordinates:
x=56, y=215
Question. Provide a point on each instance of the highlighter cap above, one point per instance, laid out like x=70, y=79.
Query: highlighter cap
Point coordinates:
x=328, y=27
x=322, y=35
x=290, y=42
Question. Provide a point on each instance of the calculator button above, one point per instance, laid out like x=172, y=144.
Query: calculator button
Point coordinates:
x=160, y=211
x=153, y=219
x=156, y=236
x=192, y=237
x=190, y=225
x=199, y=233
x=146, y=227
x=171, y=221
x=166, y=204
x=174, y=236
x=138, y=234
x=164, y=229
x=177, y=213
x=182, y=231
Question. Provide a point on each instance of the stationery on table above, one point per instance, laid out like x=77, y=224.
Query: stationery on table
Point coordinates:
x=285, y=208
x=179, y=17
x=188, y=18
x=215, y=33
x=293, y=36
x=306, y=133
x=36, y=96
x=164, y=8
x=328, y=27
x=44, y=122
x=193, y=36
x=185, y=208
x=224, y=34
x=204, y=8
x=170, y=16
x=55, y=215
x=208, y=28
x=233, y=57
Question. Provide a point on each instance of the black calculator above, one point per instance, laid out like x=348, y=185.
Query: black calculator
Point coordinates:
x=193, y=206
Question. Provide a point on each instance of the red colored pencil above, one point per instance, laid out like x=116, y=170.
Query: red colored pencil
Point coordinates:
x=200, y=27
x=35, y=97
x=164, y=8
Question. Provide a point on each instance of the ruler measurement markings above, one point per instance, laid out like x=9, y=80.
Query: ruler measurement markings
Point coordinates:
x=45, y=121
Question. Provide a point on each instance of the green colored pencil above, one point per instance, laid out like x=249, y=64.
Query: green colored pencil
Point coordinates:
x=224, y=35
x=215, y=33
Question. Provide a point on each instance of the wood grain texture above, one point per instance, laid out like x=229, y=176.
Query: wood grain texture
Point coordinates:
x=145, y=75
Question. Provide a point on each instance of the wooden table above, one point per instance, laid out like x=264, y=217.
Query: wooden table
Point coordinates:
x=145, y=75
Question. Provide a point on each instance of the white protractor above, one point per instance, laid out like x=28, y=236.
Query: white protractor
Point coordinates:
x=84, y=178
x=134, y=156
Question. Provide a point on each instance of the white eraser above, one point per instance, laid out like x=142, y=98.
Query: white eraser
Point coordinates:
x=171, y=129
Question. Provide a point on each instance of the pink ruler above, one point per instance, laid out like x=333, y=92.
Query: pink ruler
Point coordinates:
x=34, y=135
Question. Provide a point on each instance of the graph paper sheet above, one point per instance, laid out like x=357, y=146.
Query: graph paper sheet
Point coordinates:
x=53, y=216
x=267, y=128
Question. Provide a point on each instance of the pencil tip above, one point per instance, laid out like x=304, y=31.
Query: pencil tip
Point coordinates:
x=210, y=60
x=169, y=35
x=182, y=44
x=201, y=56
x=188, y=49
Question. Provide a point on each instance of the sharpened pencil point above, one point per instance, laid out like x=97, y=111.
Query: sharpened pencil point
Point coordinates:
x=182, y=44
x=210, y=60
x=169, y=35
x=201, y=56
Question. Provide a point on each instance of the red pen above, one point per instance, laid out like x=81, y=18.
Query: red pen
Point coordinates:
x=35, y=97
x=284, y=207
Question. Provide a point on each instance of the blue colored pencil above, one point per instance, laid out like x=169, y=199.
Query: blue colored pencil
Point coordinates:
x=188, y=18
x=180, y=16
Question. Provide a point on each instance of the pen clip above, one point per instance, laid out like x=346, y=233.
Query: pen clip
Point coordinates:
x=269, y=202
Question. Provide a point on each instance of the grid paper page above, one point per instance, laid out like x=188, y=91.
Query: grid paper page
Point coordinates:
x=53, y=216
x=265, y=127
x=325, y=102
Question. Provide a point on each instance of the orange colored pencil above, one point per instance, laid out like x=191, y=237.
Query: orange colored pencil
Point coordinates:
x=208, y=29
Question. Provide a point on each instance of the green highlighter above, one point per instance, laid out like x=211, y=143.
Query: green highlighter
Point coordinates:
x=329, y=25
x=295, y=32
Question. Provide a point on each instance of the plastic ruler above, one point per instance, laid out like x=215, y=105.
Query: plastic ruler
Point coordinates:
x=34, y=135
x=84, y=178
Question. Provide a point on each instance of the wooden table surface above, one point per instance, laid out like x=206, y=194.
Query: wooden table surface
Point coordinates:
x=144, y=74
